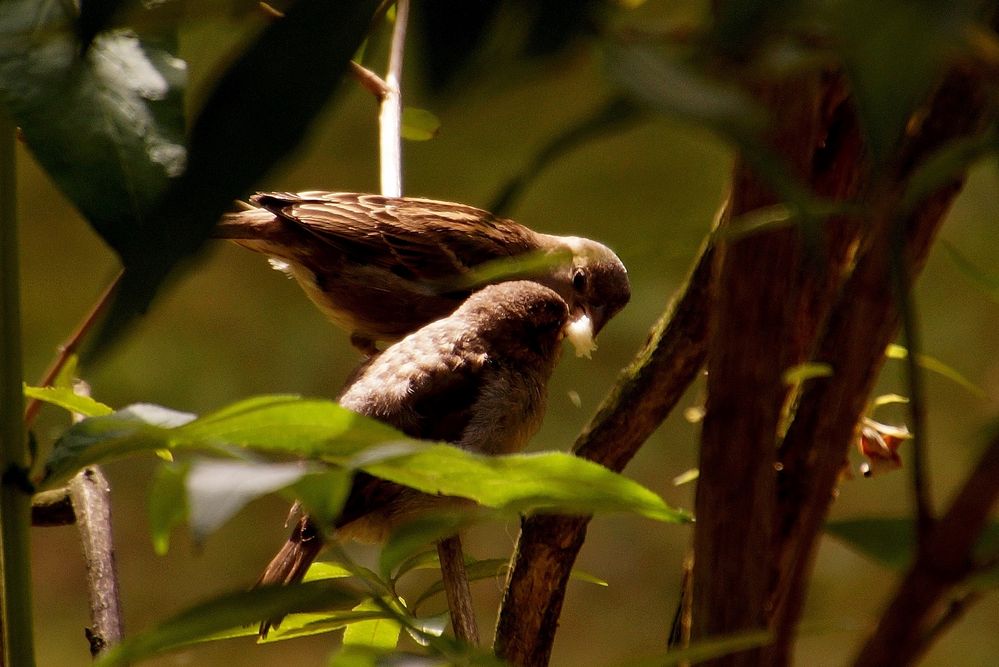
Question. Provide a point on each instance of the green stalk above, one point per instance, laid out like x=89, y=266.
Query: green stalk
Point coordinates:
x=15, y=498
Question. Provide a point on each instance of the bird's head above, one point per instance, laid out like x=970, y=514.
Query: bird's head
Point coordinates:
x=594, y=283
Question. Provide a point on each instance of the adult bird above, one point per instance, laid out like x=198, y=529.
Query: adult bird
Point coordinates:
x=477, y=379
x=382, y=267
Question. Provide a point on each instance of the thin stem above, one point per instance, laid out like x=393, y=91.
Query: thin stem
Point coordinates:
x=91, y=498
x=390, y=120
x=15, y=494
x=71, y=345
x=914, y=378
x=459, y=596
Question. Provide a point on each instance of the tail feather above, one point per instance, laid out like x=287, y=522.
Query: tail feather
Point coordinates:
x=292, y=562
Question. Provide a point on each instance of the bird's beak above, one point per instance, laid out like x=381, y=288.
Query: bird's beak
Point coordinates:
x=598, y=315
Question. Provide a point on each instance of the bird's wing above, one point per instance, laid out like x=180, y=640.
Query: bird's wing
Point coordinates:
x=417, y=239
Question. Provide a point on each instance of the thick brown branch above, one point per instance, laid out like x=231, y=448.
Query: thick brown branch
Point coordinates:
x=946, y=559
x=862, y=323
x=648, y=389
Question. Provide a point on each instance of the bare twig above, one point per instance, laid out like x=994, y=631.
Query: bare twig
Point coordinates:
x=390, y=120
x=71, y=345
x=459, y=596
x=90, y=496
x=914, y=376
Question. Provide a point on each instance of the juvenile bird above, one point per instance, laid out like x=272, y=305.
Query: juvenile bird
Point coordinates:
x=382, y=267
x=476, y=379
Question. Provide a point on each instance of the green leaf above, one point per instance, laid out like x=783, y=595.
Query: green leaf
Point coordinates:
x=269, y=424
x=413, y=536
x=323, y=494
x=492, y=568
x=419, y=124
x=228, y=612
x=382, y=633
x=934, y=365
x=167, y=504
x=218, y=489
x=322, y=429
x=547, y=481
x=107, y=126
x=802, y=372
x=888, y=399
x=891, y=542
x=67, y=399
x=240, y=134
x=895, y=52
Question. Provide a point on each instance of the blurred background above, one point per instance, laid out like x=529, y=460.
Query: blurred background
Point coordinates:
x=231, y=327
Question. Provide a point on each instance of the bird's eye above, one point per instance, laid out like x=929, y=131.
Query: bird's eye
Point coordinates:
x=579, y=280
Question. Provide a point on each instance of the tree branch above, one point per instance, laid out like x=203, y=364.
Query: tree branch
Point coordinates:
x=861, y=324
x=908, y=625
x=91, y=500
x=459, y=596
x=646, y=392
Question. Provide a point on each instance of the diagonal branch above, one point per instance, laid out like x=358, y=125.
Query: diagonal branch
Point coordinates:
x=647, y=391
x=945, y=559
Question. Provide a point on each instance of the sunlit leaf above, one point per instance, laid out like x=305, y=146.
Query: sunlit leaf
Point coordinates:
x=382, y=633
x=228, y=612
x=167, y=504
x=547, y=481
x=419, y=124
x=66, y=398
x=275, y=424
x=687, y=477
x=888, y=399
x=802, y=372
x=218, y=489
x=934, y=365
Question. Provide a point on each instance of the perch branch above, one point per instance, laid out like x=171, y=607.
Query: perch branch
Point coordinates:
x=459, y=596
x=91, y=500
x=646, y=392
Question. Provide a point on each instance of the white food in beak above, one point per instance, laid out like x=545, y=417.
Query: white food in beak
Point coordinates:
x=580, y=334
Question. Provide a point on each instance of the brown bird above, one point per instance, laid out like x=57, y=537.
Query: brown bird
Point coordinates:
x=382, y=267
x=476, y=379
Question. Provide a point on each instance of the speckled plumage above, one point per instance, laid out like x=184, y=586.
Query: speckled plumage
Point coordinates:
x=381, y=267
x=477, y=379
